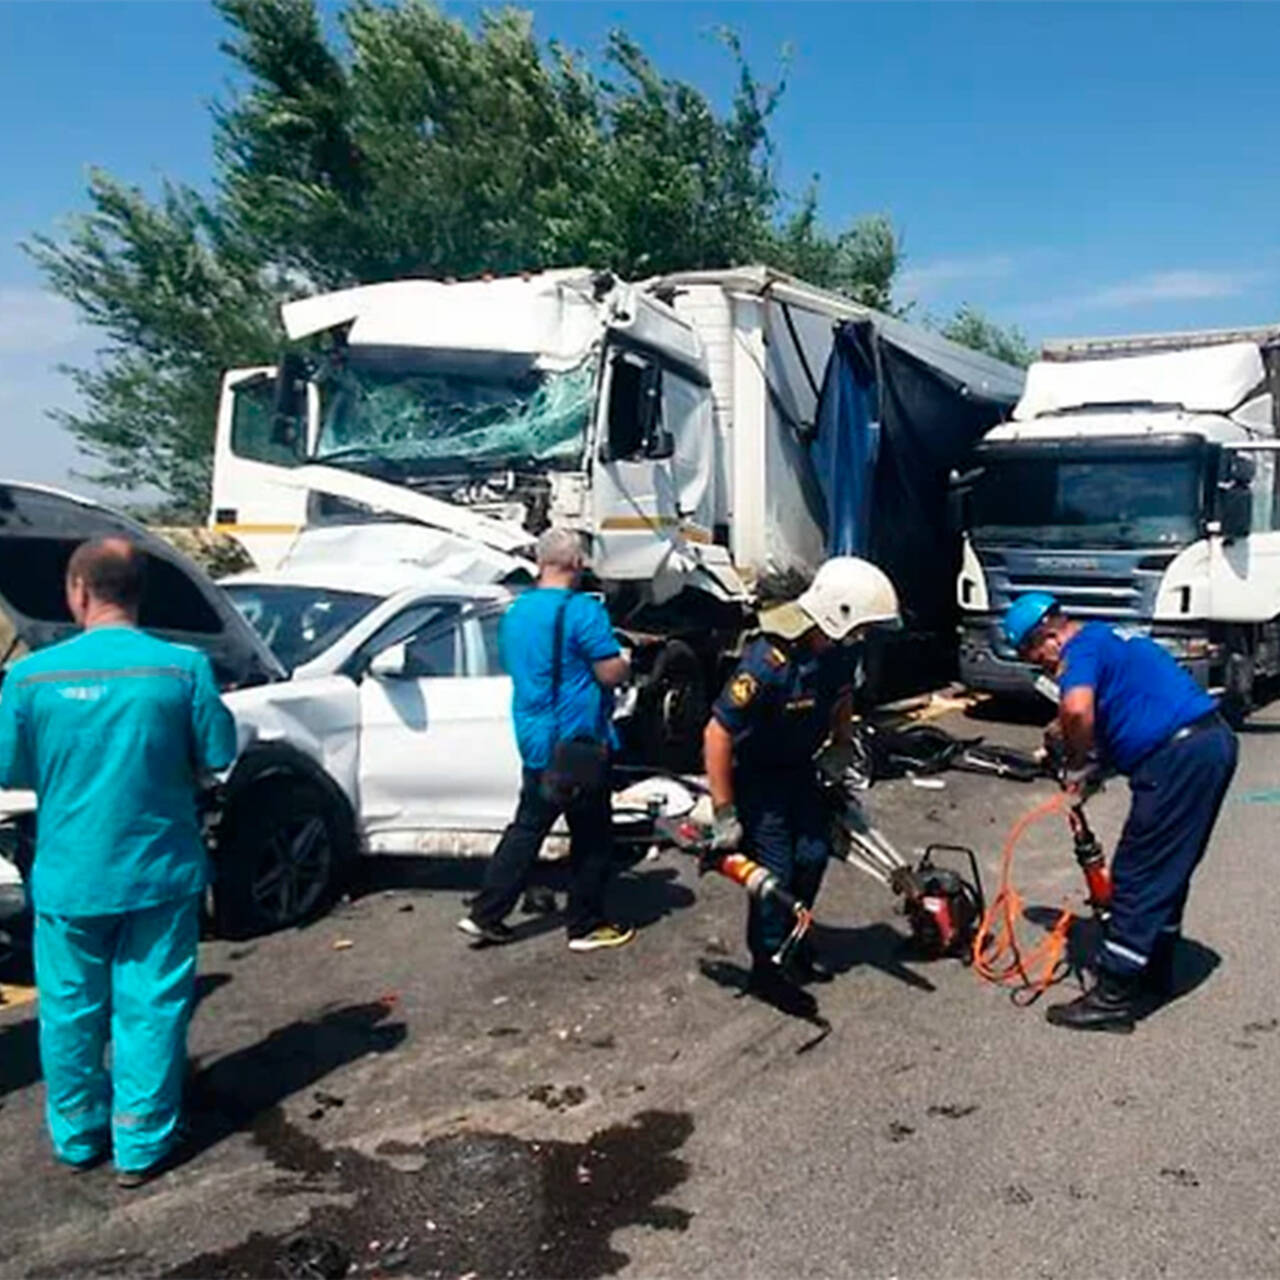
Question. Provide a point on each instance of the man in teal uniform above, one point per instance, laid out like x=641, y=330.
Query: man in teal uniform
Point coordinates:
x=113, y=730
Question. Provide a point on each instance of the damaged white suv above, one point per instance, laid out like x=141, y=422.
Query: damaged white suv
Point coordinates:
x=369, y=696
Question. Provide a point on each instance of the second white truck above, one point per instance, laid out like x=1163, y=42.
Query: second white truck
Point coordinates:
x=1137, y=482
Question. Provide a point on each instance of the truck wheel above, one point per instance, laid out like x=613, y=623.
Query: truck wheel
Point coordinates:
x=284, y=849
x=673, y=711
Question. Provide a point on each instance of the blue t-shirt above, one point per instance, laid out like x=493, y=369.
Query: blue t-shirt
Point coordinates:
x=111, y=730
x=585, y=708
x=1141, y=695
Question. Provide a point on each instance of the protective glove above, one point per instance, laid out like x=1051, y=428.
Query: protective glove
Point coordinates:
x=726, y=831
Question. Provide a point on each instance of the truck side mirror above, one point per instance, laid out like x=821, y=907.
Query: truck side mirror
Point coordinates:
x=1235, y=511
x=290, y=408
x=662, y=445
x=635, y=399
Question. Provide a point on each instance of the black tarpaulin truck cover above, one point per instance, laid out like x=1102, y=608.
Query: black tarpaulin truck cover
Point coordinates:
x=899, y=411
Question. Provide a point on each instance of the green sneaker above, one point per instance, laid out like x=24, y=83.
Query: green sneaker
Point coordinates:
x=605, y=935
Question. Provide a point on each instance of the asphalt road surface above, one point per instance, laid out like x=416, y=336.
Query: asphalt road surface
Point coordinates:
x=372, y=1097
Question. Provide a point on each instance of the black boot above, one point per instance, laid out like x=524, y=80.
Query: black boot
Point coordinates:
x=1157, y=977
x=1111, y=1004
x=807, y=966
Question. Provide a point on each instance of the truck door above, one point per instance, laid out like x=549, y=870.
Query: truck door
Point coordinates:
x=1244, y=563
x=636, y=493
x=252, y=451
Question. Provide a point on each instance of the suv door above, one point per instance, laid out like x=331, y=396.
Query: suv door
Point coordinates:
x=437, y=750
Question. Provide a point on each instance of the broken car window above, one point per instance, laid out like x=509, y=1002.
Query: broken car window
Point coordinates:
x=299, y=623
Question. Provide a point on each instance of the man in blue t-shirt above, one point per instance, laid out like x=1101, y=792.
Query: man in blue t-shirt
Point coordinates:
x=113, y=730
x=573, y=704
x=1125, y=700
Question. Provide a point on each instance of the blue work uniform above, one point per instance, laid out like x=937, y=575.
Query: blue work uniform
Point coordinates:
x=1153, y=723
x=777, y=707
x=112, y=730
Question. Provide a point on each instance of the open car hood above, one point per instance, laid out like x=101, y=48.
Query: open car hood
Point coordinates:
x=39, y=529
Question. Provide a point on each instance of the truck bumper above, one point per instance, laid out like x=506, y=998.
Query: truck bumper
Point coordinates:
x=987, y=668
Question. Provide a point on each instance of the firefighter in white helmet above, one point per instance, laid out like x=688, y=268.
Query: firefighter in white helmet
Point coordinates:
x=791, y=689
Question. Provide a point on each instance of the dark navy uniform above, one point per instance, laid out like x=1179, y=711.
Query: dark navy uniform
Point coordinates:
x=1155, y=724
x=777, y=707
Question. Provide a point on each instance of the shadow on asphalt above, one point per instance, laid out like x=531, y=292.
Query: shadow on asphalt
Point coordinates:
x=877, y=946
x=1193, y=963
x=1037, y=711
x=639, y=895
x=227, y=1094
x=794, y=1002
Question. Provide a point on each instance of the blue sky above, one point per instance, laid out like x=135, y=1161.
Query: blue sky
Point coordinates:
x=1091, y=168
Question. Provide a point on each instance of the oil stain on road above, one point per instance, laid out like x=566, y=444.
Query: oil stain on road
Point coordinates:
x=486, y=1203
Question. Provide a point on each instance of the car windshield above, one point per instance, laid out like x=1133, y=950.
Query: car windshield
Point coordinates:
x=489, y=412
x=1107, y=502
x=299, y=623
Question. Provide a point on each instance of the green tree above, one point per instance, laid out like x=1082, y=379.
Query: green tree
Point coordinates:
x=861, y=261
x=177, y=300
x=971, y=328
x=416, y=146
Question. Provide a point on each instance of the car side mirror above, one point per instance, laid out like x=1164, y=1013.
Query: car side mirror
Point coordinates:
x=390, y=664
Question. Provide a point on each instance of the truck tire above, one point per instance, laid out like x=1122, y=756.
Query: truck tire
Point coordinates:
x=285, y=849
x=673, y=711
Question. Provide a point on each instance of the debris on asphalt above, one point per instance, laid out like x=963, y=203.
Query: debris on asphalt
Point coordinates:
x=554, y=1099
x=480, y=1204
x=927, y=784
x=953, y=1111
x=343, y=944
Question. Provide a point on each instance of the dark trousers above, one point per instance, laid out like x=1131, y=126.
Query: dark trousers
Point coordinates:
x=787, y=828
x=1177, y=792
x=590, y=822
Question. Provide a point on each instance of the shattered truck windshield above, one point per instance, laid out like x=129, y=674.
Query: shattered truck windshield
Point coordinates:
x=418, y=416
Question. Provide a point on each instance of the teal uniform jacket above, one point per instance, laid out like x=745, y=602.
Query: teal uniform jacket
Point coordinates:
x=112, y=730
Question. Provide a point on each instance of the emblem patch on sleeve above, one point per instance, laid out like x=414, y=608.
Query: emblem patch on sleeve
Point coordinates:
x=743, y=688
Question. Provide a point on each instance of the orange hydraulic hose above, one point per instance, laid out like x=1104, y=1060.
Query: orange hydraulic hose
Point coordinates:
x=997, y=955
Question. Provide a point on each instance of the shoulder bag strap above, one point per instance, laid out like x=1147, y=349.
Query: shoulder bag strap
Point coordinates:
x=557, y=662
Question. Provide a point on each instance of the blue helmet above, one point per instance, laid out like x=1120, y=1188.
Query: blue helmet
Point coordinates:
x=1025, y=614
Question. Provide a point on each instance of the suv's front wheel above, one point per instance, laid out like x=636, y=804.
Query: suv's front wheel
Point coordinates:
x=284, y=848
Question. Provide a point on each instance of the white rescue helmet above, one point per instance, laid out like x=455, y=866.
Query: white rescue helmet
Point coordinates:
x=848, y=592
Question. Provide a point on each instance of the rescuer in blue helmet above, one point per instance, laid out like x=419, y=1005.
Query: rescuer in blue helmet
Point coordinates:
x=1126, y=699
